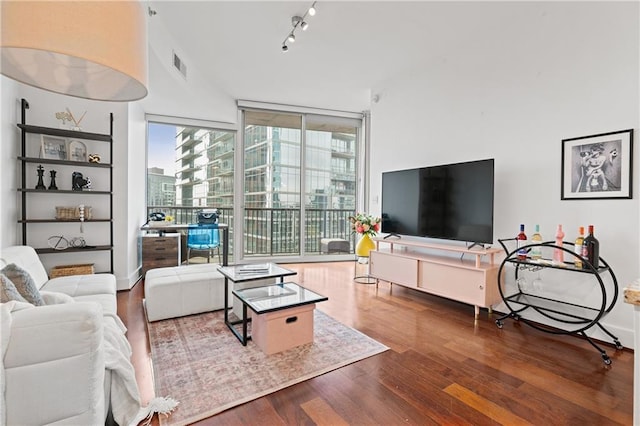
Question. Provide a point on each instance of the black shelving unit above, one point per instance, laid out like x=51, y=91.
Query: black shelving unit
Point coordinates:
x=25, y=219
x=573, y=317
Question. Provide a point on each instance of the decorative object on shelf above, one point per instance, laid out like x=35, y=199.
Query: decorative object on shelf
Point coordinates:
x=53, y=185
x=368, y=226
x=76, y=123
x=66, y=270
x=77, y=242
x=94, y=158
x=40, y=184
x=64, y=116
x=77, y=151
x=36, y=39
x=597, y=166
x=53, y=148
x=81, y=208
x=58, y=242
x=79, y=182
x=73, y=213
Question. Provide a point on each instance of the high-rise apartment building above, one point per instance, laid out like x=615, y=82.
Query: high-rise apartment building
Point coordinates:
x=161, y=188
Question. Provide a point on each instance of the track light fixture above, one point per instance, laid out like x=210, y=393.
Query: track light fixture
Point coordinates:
x=298, y=21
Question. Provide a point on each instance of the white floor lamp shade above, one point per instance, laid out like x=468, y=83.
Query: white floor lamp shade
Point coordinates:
x=88, y=49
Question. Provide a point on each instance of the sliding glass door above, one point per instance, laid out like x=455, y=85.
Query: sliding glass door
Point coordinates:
x=300, y=179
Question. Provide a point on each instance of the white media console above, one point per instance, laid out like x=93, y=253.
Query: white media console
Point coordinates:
x=470, y=277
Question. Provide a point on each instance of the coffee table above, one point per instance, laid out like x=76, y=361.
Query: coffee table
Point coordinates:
x=245, y=273
x=282, y=315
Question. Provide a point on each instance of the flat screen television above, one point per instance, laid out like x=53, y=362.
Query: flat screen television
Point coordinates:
x=451, y=201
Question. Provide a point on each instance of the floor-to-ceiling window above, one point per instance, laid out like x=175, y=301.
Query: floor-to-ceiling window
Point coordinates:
x=189, y=169
x=300, y=175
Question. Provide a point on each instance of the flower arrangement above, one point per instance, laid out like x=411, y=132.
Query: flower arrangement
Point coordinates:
x=365, y=224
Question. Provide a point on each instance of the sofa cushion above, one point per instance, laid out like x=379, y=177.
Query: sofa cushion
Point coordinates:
x=23, y=283
x=8, y=291
x=56, y=298
x=100, y=288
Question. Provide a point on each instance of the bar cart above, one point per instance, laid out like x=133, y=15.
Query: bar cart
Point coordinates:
x=568, y=310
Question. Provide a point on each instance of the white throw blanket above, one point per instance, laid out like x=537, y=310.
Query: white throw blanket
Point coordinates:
x=125, y=398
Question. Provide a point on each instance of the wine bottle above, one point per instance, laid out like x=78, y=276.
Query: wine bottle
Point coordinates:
x=577, y=248
x=591, y=248
x=536, y=238
x=558, y=254
x=521, y=241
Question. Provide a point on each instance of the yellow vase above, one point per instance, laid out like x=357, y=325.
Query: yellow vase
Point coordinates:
x=365, y=245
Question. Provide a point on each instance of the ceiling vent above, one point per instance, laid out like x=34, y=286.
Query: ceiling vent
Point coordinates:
x=179, y=65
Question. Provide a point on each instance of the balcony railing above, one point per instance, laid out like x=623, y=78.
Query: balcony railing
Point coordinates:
x=275, y=232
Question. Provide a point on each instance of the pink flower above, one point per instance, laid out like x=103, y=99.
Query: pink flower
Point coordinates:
x=363, y=223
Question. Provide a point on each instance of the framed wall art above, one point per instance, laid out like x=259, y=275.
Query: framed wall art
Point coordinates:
x=77, y=150
x=53, y=148
x=597, y=166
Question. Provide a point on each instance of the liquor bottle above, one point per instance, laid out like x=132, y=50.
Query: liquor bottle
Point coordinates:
x=536, y=238
x=558, y=254
x=591, y=248
x=521, y=242
x=577, y=248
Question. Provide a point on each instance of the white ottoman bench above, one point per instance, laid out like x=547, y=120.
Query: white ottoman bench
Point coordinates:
x=183, y=290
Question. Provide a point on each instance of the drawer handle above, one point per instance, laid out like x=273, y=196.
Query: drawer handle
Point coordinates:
x=291, y=319
x=160, y=248
x=481, y=287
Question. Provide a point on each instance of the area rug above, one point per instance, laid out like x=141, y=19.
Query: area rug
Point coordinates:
x=199, y=362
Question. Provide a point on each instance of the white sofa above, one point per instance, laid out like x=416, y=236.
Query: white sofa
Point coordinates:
x=55, y=361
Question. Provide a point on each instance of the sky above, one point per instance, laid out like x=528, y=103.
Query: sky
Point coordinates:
x=162, y=146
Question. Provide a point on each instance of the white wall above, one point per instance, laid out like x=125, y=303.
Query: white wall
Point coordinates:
x=43, y=106
x=553, y=71
x=9, y=148
x=136, y=188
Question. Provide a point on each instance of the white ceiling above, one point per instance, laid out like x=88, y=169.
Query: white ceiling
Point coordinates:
x=232, y=50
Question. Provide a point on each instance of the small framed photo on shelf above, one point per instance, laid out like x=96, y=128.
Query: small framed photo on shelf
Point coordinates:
x=597, y=166
x=77, y=150
x=53, y=148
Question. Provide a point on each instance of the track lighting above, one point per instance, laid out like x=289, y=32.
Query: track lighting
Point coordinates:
x=298, y=21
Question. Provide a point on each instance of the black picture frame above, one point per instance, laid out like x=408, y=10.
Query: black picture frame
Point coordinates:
x=597, y=167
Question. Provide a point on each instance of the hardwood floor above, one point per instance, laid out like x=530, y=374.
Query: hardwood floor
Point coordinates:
x=443, y=367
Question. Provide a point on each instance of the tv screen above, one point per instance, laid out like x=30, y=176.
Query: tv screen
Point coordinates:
x=451, y=201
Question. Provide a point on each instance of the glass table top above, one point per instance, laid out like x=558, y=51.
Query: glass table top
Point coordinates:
x=277, y=296
x=254, y=271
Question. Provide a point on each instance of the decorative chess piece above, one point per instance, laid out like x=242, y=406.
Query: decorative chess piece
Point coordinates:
x=78, y=182
x=53, y=180
x=40, y=184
